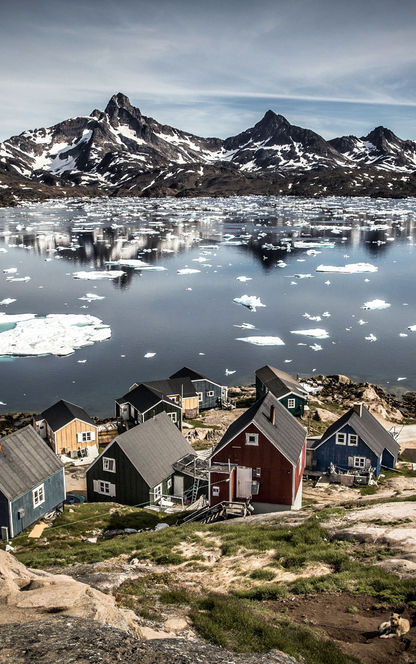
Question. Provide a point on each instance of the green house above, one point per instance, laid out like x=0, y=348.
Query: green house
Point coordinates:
x=284, y=387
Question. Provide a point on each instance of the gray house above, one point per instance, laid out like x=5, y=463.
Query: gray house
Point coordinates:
x=284, y=387
x=143, y=402
x=137, y=467
x=210, y=394
x=32, y=481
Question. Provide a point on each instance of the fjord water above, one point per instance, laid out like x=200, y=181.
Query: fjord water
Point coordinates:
x=191, y=319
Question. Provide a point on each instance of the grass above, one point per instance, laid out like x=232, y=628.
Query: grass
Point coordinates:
x=200, y=424
x=369, y=489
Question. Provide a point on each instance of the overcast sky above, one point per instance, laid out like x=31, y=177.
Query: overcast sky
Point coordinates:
x=212, y=67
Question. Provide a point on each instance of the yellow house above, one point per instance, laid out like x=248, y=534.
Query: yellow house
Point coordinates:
x=69, y=430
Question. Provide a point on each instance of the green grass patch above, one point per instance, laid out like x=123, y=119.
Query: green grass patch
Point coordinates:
x=369, y=490
x=263, y=574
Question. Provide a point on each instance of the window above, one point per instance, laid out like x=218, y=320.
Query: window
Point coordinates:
x=109, y=465
x=157, y=492
x=200, y=397
x=291, y=403
x=255, y=488
x=173, y=417
x=359, y=462
x=85, y=436
x=103, y=487
x=252, y=438
x=211, y=393
x=169, y=483
x=341, y=439
x=256, y=472
x=353, y=439
x=38, y=495
x=216, y=491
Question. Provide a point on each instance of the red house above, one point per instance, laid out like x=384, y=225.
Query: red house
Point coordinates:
x=260, y=458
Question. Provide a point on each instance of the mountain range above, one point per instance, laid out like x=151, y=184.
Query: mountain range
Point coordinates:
x=121, y=152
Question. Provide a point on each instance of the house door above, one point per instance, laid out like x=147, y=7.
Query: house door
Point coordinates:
x=177, y=485
x=244, y=481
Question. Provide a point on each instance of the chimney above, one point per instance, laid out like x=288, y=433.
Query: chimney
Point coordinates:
x=273, y=415
x=358, y=407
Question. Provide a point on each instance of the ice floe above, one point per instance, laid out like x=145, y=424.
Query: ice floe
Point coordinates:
x=8, y=300
x=129, y=262
x=54, y=334
x=95, y=275
x=315, y=347
x=230, y=372
x=412, y=328
x=187, y=270
x=262, y=341
x=149, y=355
x=244, y=326
x=351, y=268
x=242, y=278
x=249, y=301
x=10, y=270
x=371, y=337
x=317, y=333
x=376, y=304
x=91, y=297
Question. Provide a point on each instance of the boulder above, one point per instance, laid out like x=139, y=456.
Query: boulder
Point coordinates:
x=322, y=415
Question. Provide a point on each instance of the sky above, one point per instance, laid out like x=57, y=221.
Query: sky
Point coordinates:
x=212, y=67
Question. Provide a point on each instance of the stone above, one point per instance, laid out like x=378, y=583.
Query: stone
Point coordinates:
x=176, y=624
x=322, y=415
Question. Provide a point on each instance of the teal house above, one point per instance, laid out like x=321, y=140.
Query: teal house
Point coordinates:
x=284, y=387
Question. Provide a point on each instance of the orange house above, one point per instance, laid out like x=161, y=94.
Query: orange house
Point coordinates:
x=69, y=430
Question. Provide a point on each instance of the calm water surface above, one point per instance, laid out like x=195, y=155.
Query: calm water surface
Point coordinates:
x=191, y=319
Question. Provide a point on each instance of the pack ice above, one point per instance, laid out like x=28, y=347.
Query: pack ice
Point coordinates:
x=350, y=268
x=94, y=275
x=376, y=304
x=262, y=341
x=54, y=334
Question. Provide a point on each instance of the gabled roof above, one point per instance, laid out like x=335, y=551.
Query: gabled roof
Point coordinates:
x=186, y=372
x=287, y=435
x=173, y=386
x=152, y=448
x=144, y=397
x=279, y=382
x=62, y=413
x=367, y=427
x=25, y=462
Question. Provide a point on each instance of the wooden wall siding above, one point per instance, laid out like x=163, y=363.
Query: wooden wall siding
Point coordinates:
x=276, y=470
x=205, y=386
x=338, y=454
x=190, y=406
x=299, y=407
x=220, y=480
x=131, y=489
x=388, y=459
x=54, y=491
x=66, y=438
x=161, y=407
x=300, y=467
x=4, y=511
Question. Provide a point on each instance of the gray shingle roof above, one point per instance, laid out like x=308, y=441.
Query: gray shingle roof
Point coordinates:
x=181, y=385
x=279, y=382
x=287, y=435
x=152, y=448
x=368, y=428
x=144, y=397
x=62, y=413
x=25, y=461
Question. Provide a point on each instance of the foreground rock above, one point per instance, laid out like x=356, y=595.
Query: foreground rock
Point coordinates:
x=27, y=595
x=62, y=640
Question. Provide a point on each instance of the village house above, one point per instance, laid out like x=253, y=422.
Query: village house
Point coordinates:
x=32, y=481
x=69, y=430
x=260, y=458
x=143, y=402
x=149, y=464
x=210, y=394
x=356, y=441
x=284, y=387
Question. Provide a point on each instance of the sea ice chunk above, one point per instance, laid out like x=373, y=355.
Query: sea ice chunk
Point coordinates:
x=90, y=297
x=371, y=337
x=187, y=270
x=10, y=270
x=376, y=304
x=128, y=262
x=249, y=301
x=98, y=274
x=262, y=341
x=244, y=326
x=148, y=355
x=242, y=278
x=316, y=332
x=230, y=372
x=350, y=268
x=8, y=300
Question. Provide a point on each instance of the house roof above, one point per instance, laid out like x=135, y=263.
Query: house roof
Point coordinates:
x=152, y=448
x=279, y=382
x=186, y=372
x=367, y=427
x=287, y=435
x=144, y=397
x=62, y=413
x=181, y=385
x=25, y=461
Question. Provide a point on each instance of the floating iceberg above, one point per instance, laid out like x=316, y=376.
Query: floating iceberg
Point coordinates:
x=242, y=278
x=128, y=262
x=149, y=355
x=244, y=326
x=90, y=297
x=8, y=300
x=262, y=341
x=98, y=274
x=249, y=301
x=316, y=347
x=187, y=270
x=10, y=270
x=351, y=268
x=371, y=337
x=316, y=332
x=152, y=268
x=303, y=276
x=230, y=372
x=376, y=304
x=412, y=328
x=55, y=334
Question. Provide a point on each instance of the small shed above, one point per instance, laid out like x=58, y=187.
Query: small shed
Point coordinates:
x=69, y=430
x=137, y=467
x=32, y=481
x=284, y=387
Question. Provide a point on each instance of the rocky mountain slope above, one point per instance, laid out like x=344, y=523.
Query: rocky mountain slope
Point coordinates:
x=119, y=151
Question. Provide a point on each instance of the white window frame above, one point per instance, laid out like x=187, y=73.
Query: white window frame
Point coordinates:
x=109, y=465
x=38, y=495
x=359, y=462
x=353, y=436
x=104, y=488
x=252, y=439
x=211, y=393
x=157, y=492
x=215, y=491
x=341, y=438
x=173, y=417
x=291, y=403
x=86, y=436
x=169, y=483
x=200, y=396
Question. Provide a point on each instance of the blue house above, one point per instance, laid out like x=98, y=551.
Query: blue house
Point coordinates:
x=32, y=481
x=357, y=441
x=210, y=394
